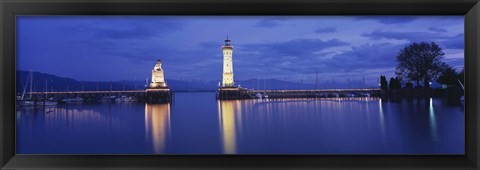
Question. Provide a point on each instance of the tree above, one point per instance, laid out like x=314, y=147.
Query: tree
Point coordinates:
x=399, y=83
x=395, y=83
x=383, y=82
x=420, y=62
x=409, y=85
x=391, y=85
x=448, y=76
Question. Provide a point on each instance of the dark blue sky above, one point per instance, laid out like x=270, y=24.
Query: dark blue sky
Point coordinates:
x=286, y=48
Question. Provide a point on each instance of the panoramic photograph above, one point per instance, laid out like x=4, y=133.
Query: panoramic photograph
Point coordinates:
x=210, y=85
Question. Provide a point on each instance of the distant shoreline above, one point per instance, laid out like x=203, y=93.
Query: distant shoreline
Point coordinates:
x=191, y=91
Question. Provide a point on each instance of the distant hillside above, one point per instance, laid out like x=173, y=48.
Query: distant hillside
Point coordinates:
x=279, y=84
x=56, y=83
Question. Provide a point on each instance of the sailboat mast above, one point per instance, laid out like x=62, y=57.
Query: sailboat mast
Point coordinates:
x=348, y=82
x=363, y=81
x=46, y=89
x=31, y=84
x=463, y=87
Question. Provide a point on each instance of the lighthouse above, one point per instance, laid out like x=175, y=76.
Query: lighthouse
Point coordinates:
x=227, y=89
x=227, y=80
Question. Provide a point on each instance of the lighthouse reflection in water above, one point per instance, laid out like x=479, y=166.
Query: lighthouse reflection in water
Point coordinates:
x=197, y=123
x=157, y=125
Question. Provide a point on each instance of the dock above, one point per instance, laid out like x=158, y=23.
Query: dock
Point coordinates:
x=149, y=95
x=243, y=93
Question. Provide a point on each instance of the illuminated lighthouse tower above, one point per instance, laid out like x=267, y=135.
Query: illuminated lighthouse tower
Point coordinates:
x=227, y=64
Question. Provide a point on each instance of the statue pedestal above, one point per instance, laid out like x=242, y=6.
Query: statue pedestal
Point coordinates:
x=227, y=93
x=160, y=89
x=158, y=95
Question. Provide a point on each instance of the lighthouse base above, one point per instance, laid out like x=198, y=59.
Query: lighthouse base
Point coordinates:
x=230, y=93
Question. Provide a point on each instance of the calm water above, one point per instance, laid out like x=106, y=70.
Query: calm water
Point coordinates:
x=196, y=123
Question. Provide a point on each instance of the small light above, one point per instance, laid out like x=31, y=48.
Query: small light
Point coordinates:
x=430, y=83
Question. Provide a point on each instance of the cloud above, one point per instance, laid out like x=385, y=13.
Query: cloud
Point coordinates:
x=137, y=30
x=410, y=36
x=326, y=30
x=454, y=42
x=282, y=58
x=121, y=28
x=437, y=29
x=92, y=47
x=102, y=44
x=270, y=22
x=296, y=47
x=353, y=61
x=128, y=33
x=210, y=44
x=113, y=37
x=360, y=58
x=457, y=63
x=389, y=19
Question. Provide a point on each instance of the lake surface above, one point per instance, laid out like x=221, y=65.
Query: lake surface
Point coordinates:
x=196, y=123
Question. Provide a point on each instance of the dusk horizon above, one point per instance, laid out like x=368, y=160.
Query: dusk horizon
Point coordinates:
x=335, y=85
x=286, y=48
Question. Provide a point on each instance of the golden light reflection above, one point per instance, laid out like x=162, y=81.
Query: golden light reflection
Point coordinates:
x=157, y=125
x=229, y=113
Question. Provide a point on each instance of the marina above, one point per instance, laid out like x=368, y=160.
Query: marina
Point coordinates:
x=286, y=85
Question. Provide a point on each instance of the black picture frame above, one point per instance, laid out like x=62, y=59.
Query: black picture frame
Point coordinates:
x=10, y=8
